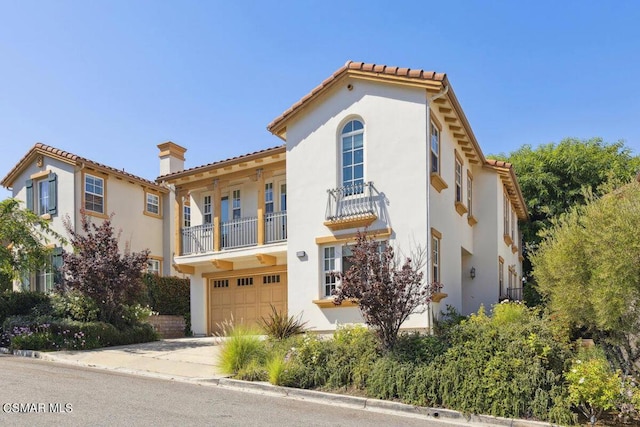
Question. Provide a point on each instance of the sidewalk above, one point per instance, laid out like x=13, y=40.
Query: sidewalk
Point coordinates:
x=181, y=358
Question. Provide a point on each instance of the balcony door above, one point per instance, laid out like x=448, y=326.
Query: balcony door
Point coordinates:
x=224, y=219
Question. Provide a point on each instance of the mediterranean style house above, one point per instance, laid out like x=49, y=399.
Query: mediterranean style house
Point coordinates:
x=382, y=149
x=56, y=184
x=376, y=149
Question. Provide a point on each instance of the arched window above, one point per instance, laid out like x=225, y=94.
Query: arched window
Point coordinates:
x=353, y=155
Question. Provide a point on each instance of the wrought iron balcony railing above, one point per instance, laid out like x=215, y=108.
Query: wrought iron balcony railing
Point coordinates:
x=350, y=201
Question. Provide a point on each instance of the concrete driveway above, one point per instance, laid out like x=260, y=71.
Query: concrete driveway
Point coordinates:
x=180, y=358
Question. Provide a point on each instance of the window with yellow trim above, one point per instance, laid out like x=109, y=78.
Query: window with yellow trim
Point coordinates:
x=94, y=193
x=436, y=239
x=152, y=203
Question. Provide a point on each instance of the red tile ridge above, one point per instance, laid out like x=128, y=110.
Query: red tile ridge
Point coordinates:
x=377, y=69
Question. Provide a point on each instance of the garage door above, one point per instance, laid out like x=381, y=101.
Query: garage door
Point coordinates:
x=246, y=299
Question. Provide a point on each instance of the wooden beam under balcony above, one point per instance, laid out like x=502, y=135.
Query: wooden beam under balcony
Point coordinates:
x=222, y=265
x=184, y=269
x=268, y=260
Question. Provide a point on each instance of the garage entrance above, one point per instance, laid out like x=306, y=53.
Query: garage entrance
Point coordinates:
x=245, y=297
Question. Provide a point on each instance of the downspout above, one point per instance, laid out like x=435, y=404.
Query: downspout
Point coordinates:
x=440, y=94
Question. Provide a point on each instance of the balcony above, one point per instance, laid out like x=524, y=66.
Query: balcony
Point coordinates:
x=237, y=233
x=351, y=206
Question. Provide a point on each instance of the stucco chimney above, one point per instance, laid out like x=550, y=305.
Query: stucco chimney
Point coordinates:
x=171, y=157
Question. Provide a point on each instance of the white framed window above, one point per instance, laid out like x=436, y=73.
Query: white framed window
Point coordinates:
x=283, y=197
x=43, y=197
x=152, y=205
x=186, y=216
x=458, y=170
x=506, y=214
x=153, y=266
x=469, y=194
x=352, y=144
x=329, y=268
x=501, y=276
x=435, y=147
x=268, y=198
x=436, y=239
x=47, y=277
x=235, y=205
x=94, y=194
x=41, y=189
x=207, y=218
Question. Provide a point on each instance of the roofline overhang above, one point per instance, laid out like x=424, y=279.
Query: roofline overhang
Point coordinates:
x=174, y=177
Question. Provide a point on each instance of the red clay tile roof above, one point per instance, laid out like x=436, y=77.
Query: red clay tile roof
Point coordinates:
x=40, y=148
x=219, y=163
x=375, y=69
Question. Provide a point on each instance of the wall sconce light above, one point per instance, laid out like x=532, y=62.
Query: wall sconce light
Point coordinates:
x=301, y=254
x=473, y=272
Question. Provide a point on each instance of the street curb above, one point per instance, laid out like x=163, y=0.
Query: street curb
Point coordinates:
x=355, y=402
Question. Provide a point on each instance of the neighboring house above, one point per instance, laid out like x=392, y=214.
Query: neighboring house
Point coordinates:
x=231, y=237
x=373, y=148
x=57, y=184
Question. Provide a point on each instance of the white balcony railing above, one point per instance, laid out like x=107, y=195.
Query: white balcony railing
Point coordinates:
x=239, y=232
x=197, y=239
x=275, y=227
x=236, y=233
x=350, y=201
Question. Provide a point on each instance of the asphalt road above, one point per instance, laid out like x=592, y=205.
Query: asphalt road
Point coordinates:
x=38, y=393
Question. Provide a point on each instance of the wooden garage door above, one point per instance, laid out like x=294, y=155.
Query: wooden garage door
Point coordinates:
x=246, y=298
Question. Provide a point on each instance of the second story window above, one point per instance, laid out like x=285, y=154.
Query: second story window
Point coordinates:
x=41, y=191
x=206, y=211
x=235, y=206
x=186, y=216
x=435, y=148
x=469, y=194
x=352, y=143
x=43, y=197
x=268, y=197
x=94, y=194
x=153, y=204
x=501, y=276
x=458, y=180
x=506, y=214
x=283, y=197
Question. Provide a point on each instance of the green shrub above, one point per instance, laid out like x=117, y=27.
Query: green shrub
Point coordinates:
x=280, y=326
x=253, y=371
x=307, y=360
x=593, y=386
x=389, y=378
x=135, y=314
x=276, y=366
x=418, y=348
x=353, y=352
x=74, y=305
x=27, y=333
x=23, y=304
x=509, y=365
x=168, y=295
x=241, y=347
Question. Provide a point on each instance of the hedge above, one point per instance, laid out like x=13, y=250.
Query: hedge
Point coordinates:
x=168, y=295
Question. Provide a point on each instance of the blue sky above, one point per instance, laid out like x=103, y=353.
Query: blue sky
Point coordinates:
x=109, y=80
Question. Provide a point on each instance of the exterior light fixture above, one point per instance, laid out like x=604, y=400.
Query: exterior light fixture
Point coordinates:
x=301, y=254
x=473, y=272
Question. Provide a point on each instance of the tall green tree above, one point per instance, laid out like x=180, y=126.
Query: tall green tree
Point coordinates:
x=23, y=239
x=588, y=269
x=554, y=177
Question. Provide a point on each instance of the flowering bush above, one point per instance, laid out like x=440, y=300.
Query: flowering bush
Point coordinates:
x=593, y=387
